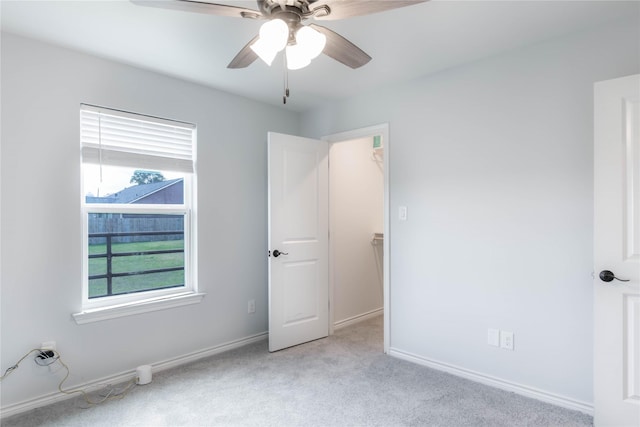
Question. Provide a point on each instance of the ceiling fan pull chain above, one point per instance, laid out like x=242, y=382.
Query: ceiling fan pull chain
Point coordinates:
x=286, y=79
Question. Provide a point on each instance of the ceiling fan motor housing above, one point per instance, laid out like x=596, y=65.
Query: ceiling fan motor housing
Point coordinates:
x=275, y=9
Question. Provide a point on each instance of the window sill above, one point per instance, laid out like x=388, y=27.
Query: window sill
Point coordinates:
x=138, y=307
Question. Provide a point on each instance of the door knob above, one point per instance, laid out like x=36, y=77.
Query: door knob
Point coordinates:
x=277, y=253
x=608, y=276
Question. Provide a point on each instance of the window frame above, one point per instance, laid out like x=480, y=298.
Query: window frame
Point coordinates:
x=106, y=307
x=89, y=208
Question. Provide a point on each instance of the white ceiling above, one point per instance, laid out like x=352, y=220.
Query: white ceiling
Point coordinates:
x=405, y=43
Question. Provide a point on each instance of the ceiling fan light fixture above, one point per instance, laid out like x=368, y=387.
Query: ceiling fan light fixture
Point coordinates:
x=297, y=57
x=312, y=41
x=264, y=51
x=308, y=45
x=274, y=35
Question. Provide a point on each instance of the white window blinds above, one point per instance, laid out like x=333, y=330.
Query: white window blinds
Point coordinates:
x=117, y=138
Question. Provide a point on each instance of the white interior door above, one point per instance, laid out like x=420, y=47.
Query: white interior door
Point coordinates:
x=299, y=232
x=617, y=250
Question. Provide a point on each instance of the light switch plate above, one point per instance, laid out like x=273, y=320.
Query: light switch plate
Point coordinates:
x=402, y=213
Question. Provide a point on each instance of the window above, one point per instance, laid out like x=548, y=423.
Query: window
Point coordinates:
x=138, y=222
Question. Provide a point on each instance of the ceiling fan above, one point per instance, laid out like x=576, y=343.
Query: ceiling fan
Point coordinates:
x=284, y=28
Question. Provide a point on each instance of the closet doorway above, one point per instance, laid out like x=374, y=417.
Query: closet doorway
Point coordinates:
x=358, y=224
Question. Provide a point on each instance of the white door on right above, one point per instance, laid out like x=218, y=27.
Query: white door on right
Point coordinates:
x=617, y=252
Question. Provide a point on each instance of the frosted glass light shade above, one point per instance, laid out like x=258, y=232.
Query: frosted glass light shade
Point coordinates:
x=275, y=33
x=297, y=57
x=309, y=44
x=273, y=38
x=312, y=41
x=264, y=51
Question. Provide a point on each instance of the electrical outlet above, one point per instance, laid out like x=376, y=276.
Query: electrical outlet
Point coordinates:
x=493, y=337
x=506, y=340
x=251, y=306
x=46, y=354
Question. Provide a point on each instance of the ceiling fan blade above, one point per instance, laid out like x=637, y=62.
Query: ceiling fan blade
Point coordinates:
x=245, y=57
x=341, y=49
x=201, y=7
x=341, y=9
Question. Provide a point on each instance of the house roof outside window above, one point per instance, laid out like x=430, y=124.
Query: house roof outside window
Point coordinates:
x=164, y=192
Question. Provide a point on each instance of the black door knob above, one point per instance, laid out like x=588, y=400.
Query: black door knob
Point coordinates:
x=608, y=276
x=277, y=253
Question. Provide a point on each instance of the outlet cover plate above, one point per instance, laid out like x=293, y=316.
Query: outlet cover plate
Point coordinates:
x=506, y=340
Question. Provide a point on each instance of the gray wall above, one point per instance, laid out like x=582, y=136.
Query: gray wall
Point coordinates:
x=494, y=161
x=42, y=88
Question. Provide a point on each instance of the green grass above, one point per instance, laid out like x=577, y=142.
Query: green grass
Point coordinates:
x=127, y=284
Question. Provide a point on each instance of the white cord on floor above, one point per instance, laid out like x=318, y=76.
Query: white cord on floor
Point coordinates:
x=111, y=394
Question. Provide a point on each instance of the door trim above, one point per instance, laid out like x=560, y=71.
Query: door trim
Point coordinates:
x=370, y=131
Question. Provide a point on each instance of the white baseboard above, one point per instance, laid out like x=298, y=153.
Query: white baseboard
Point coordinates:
x=542, y=395
x=196, y=355
x=357, y=319
x=50, y=398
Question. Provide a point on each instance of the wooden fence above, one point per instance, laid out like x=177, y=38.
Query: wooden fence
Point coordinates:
x=129, y=228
